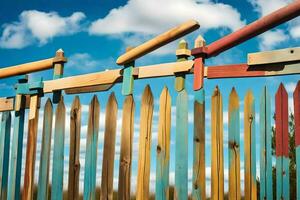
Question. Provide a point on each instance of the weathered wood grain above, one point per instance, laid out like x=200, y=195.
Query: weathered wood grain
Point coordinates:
x=296, y=97
x=250, y=147
x=234, y=146
x=45, y=152
x=217, y=160
x=74, y=164
x=142, y=191
x=126, y=148
x=181, y=143
x=282, y=143
x=91, y=150
x=198, y=182
x=30, y=152
x=163, y=146
x=4, y=152
x=266, y=190
x=181, y=56
x=109, y=148
x=15, y=165
x=58, y=152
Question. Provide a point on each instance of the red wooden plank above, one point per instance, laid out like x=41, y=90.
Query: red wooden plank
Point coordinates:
x=281, y=121
x=198, y=73
x=235, y=70
x=297, y=113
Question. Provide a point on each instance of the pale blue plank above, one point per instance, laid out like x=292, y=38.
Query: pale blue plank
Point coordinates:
x=14, y=187
x=58, y=153
x=4, y=152
x=127, y=85
x=181, y=143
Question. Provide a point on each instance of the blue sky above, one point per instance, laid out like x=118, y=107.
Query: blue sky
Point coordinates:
x=94, y=33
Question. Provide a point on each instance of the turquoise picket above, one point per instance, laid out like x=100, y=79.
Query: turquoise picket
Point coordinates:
x=127, y=86
x=266, y=190
x=14, y=179
x=198, y=180
x=4, y=152
x=181, y=143
x=45, y=152
x=91, y=151
x=58, y=153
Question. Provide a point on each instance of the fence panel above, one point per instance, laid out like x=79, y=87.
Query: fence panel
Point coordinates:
x=217, y=160
x=90, y=165
x=250, y=147
x=143, y=178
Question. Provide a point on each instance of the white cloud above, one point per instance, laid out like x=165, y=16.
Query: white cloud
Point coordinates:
x=271, y=39
x=36, y=26
x=140, y=20
x=265, y=7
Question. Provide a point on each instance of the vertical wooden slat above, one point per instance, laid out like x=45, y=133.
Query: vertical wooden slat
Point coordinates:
x=234, y=146
x=217, y=165
x=74, y=164
x=198, y=187
x=31, y=149
x=250, y=147
x=4, y=152
x=181, y=143
x=282, y=143
x=126, y=148
x=163, y=146
x=58, y=152
x=109, y=148
x=266, y=191
x=14, y=179
x=91, y=150
x=182, y=54
x=45, y=152
x=296, y=97
x=145, y=145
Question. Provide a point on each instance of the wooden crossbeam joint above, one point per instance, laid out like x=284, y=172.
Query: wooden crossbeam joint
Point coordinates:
x=58, y=71
x=199, y=64
x=128, y=76
x=182, y=54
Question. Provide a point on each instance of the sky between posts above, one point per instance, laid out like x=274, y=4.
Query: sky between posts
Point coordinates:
x=94, y=33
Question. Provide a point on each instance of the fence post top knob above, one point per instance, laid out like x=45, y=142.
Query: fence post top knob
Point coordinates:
x=200, y=42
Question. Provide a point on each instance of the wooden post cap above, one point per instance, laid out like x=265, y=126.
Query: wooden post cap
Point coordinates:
x=182, y=54
x=199, y=64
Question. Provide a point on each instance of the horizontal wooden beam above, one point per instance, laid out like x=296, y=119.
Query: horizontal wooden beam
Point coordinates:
x=8, y=104
x=277, y=56
x=158, y=41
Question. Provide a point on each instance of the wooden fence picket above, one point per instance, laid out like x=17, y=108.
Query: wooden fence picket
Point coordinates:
x=250, y=147
x=45, y=152
x=31, y=148
x=143, y=177
x=91, y=150
x=15, y=165
x=74, y=164
x=282, y=143
x=109, y=148
x=234, y=146
x=163, y=146
x=217, y=160
x=266, y=191
x=58, y=152
x=181, y=143
x=198, y=182
x=296, y=97
x=126, y=148
x=4, y=152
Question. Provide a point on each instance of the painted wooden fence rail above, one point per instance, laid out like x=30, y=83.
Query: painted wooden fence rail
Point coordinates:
x=163, y=184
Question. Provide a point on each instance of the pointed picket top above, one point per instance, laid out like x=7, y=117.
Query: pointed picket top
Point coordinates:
x=296, y=96
x=281, y=121
x=182, y=44
x=234, y=98
x=147, y=96
x=216, y=92
x=199, y=42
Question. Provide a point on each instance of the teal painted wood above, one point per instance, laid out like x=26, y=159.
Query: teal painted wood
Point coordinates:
x=181, y=143
x=4, y=152
x=279, y=185
x=298, y=170
x=199, y=130
x=15, y=164
x=266, y=190
x=58, y=153
x=127, y=86
x=91, y=151
x=45, y=152
x=286, y=178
